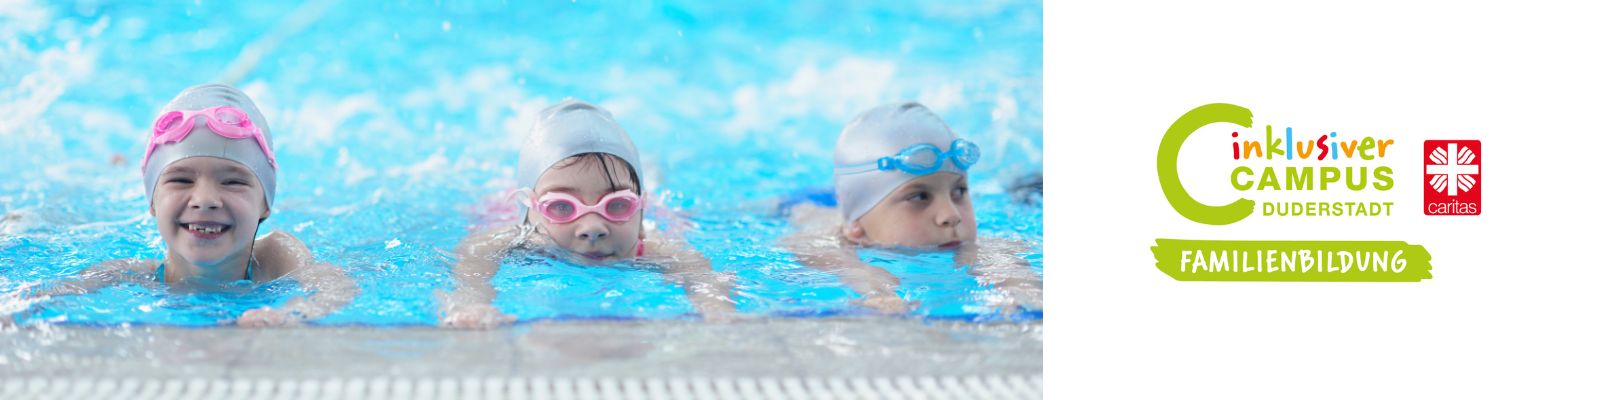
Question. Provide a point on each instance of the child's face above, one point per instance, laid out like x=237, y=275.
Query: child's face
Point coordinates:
x=591, y=237
x=207, y=209
x=930, y=211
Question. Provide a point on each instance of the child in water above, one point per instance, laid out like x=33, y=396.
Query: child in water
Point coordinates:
x=900, y=180
x=208, y=171
x=578, y=173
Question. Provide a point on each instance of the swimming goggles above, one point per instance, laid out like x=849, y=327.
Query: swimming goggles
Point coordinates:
x=561, y=208
x=225, y=121
x=919, y=159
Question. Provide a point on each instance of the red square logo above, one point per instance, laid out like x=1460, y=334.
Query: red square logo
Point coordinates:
x=1452, y=177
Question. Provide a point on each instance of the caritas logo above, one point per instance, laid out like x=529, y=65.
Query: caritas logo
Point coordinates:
x=1453, y=171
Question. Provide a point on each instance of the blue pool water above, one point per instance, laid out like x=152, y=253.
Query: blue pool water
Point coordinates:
x=394, y=120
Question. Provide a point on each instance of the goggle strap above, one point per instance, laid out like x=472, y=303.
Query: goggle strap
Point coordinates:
x=858, y=168
x=524, y=196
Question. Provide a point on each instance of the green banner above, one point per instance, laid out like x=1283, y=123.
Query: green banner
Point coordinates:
x=1292, y=261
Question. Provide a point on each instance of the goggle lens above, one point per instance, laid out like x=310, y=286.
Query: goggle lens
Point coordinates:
x=921, y=157
x=229, y=117
x=560, y=209
x=618, y=208
x=964, y=153
x=167, y=122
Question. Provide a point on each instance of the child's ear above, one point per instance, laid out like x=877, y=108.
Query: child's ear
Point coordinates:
x=264, y=214
x=855, y=233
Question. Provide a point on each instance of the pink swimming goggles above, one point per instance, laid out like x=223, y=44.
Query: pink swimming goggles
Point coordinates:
x=561, y=208
x=225, y=121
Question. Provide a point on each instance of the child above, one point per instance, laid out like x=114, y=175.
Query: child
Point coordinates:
x=900, y=179
x=208, y=171
x=579, y=177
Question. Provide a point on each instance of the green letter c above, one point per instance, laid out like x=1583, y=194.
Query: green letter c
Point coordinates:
x=1167, y=165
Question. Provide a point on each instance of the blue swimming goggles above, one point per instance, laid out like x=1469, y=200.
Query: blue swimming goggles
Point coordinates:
x=919, y=159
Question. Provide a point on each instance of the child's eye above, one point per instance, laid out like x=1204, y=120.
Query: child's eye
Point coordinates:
x=560, y=209
x=918, y=196
x=184, y=181
x=235, y=182
x=959, y=193
x=617, y=206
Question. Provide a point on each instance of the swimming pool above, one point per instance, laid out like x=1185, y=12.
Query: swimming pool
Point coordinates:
x=394, y=120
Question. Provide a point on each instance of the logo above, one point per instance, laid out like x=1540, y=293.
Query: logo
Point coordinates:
x=1452, y=173
x=1294, y=174
x=1319, y=174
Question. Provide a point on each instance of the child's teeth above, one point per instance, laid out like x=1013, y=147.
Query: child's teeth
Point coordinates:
x=205, y=229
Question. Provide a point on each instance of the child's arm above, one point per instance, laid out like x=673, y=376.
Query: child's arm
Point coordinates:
x=331, y=289
x=708, y=290
x=471, y=305
x=817, y=245
x=994, y=262
x=89, y=280
x=826, y=253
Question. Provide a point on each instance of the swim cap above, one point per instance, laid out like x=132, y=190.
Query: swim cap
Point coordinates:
x=883, y=132
x=569, y=128
x=203, y=142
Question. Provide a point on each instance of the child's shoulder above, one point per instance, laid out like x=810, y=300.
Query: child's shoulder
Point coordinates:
x=279, y=238
x=501, y=238
x=130, y=265
x=278, y=253
x=1002, y=244
x=814, y=217
x=280, y=241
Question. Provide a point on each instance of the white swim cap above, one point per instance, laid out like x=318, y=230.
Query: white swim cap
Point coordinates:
x=202, y=141
x=862, y=177
x=569, y=128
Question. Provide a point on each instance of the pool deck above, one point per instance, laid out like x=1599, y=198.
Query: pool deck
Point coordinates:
x=809, y=349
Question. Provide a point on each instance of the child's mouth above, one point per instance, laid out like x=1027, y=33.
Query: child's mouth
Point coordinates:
x=206, y=230
x=951, y=244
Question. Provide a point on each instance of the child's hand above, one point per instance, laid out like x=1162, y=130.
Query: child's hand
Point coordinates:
x=717, y=311
x=877, y=286
x=475, y=316
x=1027, y=296
x=886, y=303
x=871, y=279
x=8, y=314
x=266, y=317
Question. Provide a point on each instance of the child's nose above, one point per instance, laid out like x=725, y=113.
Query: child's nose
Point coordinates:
x=204, y=196
x=949, y=219
x=591, y=230
x=947, y=214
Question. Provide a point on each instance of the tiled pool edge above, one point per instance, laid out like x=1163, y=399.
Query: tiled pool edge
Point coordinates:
x=926, y=387
x=785, y=356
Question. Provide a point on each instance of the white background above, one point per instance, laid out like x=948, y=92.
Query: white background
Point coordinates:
x=1512, y=308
